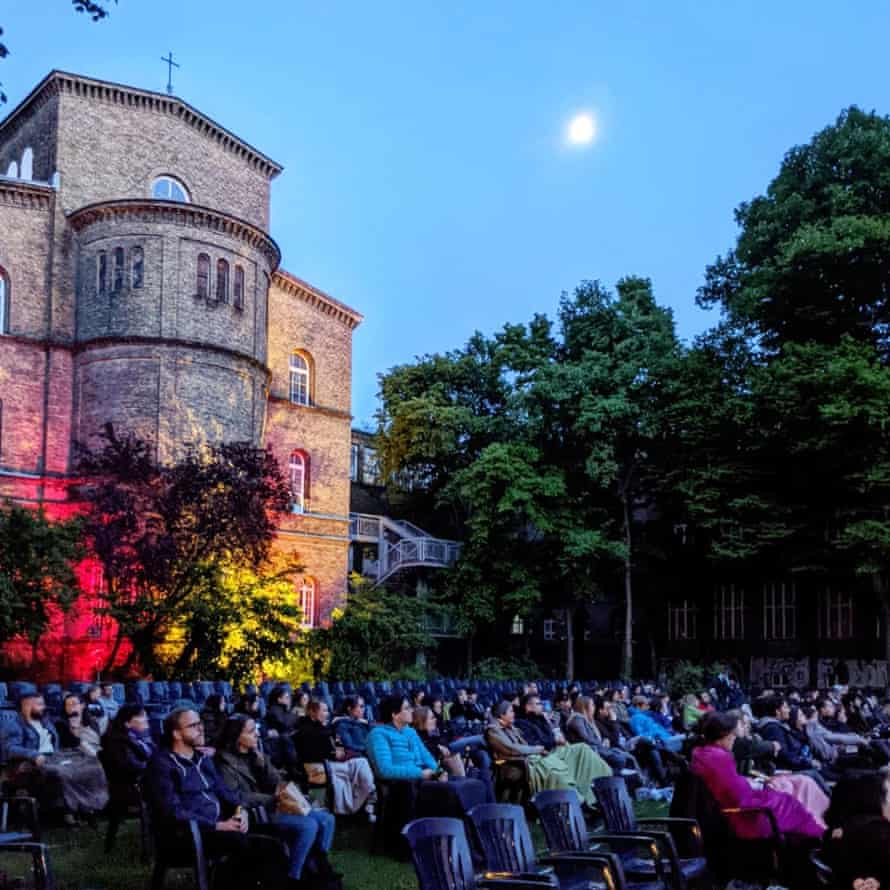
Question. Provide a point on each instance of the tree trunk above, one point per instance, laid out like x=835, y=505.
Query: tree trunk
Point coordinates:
x=628, y=649
x=470, y=656
x=570, y=644
x=112, y=657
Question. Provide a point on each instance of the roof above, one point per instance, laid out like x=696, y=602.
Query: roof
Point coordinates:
x=62, y=81
x=296, y=286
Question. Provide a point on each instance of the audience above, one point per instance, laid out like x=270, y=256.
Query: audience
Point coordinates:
x=127, y=746
x=568, y=766
x=213, y=716
x=351, y=778
x=642, y=724
x=582, y=727
x=280, y=716
x=713, y=762
x=72, y=783
x=109, y=703
x=182, y=784
x=249, y=774
x=77, y=729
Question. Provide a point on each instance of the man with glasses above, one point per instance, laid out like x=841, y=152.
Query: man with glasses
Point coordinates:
x=182, y=784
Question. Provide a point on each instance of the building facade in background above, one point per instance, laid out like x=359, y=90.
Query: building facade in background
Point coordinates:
x=139, y=285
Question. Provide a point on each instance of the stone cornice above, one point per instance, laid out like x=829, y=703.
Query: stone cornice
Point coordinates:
x=285, y=402
x=25, y=194
x=171, y=343
x=179, y=214
x=61, y=82
x=318, y=299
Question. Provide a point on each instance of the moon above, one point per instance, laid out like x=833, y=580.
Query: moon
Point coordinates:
x=582, y=129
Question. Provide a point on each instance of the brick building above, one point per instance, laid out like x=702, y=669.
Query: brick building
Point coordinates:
x=139, y=285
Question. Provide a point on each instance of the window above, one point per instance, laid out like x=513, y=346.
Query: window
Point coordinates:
x=299, y=478
x=238, y=291
x=101, y=272
x=13, y=170
x=779, y=611
x=137, y=267
x=517, y=628
x=682, y=620
x=353, y=463
x=729, y=612
x=299, y=379
x=549, y=628
x=222, y=281
x=307, y=602
x=203, y=282
x=836, y=615
x=28, y=163
x=370, y=467
x=118, y=281
x=166, y=188
x=4, y=302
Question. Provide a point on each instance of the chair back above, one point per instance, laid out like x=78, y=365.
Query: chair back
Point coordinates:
x=440, y=853
x=615, y=803
x=562, y=821
x=824, y=873
x=504, y=835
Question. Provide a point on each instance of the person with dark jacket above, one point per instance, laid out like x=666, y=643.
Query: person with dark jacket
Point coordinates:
x=76, y=727
x=534, y=726
x=352, y=729
x=794, y=752
x=857, y=843
x=182, y=785
x=252, y=776
x=213, y=716
x=127, y=749
x=279, y=715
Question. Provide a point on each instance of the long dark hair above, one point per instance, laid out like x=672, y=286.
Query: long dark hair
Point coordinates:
x=118, y=726
x=231, y=730
x=716, y=725
x=861, y=795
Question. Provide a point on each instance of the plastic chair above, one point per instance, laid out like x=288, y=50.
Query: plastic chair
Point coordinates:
x=442, y=861
x=620, y=818
x=40, y=867
x=567, y=835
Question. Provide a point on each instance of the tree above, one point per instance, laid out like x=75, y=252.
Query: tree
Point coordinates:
x=37, y=560
x=376, y=635
x=95, y=9
x=162, y=533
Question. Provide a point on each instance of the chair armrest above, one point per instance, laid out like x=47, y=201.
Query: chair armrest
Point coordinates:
x=571, y=863
x=756, y=811
x=634, y=843
x=505, y=881
x=30, y=803
x=688, y=829
x=543, y=878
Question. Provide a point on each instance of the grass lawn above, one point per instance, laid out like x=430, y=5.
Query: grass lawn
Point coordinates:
x=79, y=863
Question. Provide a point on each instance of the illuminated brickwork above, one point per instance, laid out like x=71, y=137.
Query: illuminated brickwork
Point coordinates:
x=169, y=318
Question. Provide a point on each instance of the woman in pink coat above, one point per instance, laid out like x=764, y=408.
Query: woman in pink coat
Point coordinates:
x=714, y=764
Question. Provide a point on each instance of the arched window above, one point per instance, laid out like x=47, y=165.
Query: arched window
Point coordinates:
x=28, y=163
x=13, y=169
x=118, y=281
x=299, y=379
x=101, y=272
x=4, y=302
x=238, y=288
x=137, y=267
x=203, y=282
x=222, y=281
x=166, y=188
x=306, y=590
x=299, y=481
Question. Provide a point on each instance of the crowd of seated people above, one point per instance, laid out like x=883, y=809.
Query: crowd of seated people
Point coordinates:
x=283, y=751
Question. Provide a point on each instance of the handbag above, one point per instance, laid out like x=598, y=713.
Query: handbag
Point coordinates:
x=289, y=799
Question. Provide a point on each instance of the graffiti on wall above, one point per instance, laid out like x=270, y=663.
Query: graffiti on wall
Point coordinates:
x=769, y=673
x=852, y=672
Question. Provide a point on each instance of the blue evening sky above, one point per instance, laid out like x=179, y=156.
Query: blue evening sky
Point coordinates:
x=427, y=178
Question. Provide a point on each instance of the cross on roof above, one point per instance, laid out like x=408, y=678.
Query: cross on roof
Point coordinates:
x=170, y=66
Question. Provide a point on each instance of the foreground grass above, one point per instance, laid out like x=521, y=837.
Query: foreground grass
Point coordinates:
x=80, y=863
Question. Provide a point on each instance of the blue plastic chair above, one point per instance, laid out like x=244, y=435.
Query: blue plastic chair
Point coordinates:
x=441, y=856
x=507, y=846
x=566, y=832
x=620, y=818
